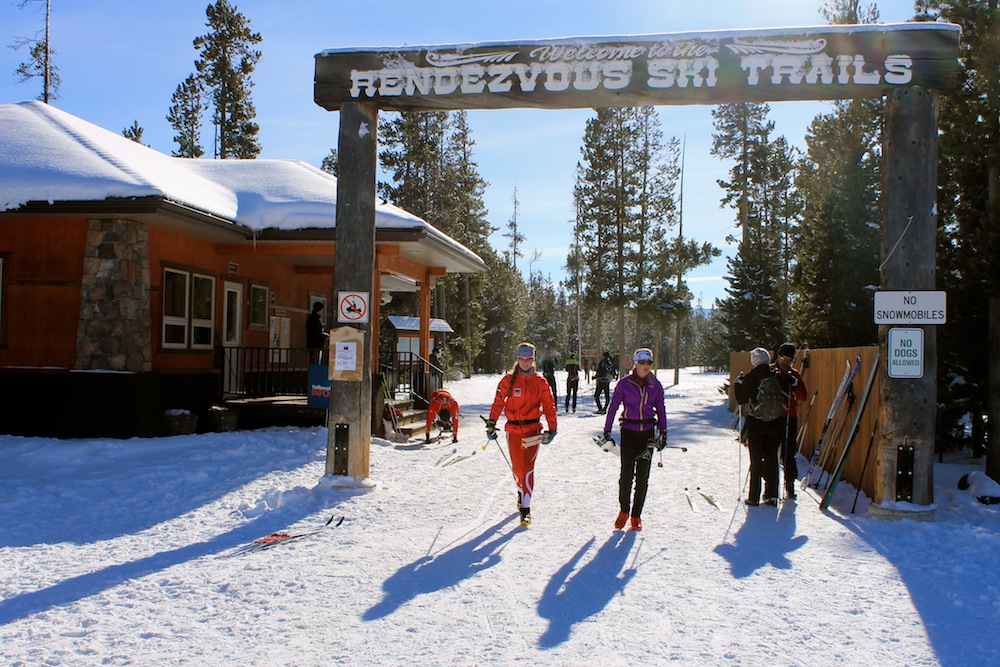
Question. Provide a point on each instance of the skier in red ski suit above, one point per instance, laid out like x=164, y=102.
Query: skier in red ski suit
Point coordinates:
x=444, y=404
x=524, y=396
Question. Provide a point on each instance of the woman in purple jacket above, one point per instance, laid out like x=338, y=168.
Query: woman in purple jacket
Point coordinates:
x=641, y=396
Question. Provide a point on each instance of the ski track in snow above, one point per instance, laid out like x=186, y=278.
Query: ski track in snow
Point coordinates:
x=110, y=554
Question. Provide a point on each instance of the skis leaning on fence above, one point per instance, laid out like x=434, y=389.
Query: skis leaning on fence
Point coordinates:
x=838, y=399
x=835, y=478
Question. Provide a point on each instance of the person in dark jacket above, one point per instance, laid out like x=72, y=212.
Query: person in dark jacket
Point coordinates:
x=794, y=388
x=605, y=372
x=315, y=335
x=572, y=381
x=549, y=373
x=640, y=395
x=762, y=438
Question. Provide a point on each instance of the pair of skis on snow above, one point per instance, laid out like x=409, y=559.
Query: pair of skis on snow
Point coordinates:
x=452, y=457
x=274, y=539
x=709, y=498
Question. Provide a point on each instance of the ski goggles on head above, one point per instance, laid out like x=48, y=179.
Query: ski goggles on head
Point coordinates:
x=525, y=352
x=643, y=356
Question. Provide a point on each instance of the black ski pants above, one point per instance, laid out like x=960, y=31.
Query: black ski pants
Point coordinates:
x=635, y=467
x=571, y=386
x=764, y=440
x=603, y=387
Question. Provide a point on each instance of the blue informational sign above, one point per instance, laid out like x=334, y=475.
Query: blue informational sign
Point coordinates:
x=319, y=386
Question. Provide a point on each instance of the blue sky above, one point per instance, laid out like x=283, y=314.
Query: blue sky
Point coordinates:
x=121, y=60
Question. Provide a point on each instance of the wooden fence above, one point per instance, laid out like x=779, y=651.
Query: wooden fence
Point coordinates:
x=822, y=376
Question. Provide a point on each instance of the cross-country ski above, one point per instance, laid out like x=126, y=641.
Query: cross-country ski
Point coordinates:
x=276, y=539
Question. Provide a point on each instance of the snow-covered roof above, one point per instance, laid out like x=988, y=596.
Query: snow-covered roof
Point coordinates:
x=403, y=323
x=48, y=155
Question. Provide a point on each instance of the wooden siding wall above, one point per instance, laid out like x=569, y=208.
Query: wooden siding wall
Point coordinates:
x=290, y=291
x=822, y=377
x=44, y=271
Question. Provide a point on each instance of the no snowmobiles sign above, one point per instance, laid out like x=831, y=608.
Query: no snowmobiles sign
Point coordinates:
x=825, y=62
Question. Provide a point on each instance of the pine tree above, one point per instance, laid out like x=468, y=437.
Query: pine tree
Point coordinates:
x=429, y=157
x=839, y=243
x=752, y=314
x=226, y=61
x=185, y=117
x=39, y=63
x=513, y=231
x=969, y=220
x=329, y=164
x=134, y=133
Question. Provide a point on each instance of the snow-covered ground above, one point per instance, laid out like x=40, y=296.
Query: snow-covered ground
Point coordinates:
x=115, y=553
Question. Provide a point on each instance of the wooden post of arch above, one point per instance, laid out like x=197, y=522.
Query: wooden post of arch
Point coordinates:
x=908, y=407
x=349, y=418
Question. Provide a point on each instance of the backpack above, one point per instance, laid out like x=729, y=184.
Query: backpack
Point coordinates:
x=770, y=400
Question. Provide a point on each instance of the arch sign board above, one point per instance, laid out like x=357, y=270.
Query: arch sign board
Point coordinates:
x=813, y=63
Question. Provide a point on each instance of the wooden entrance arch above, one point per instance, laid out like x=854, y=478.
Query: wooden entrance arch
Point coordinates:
x=905, y=62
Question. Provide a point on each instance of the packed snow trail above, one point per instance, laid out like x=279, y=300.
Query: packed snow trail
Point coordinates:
x=109, y=555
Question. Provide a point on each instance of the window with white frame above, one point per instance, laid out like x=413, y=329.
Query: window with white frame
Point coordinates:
x=188, y=310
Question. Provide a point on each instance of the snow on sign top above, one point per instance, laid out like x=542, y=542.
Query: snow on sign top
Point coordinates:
x=808, y=63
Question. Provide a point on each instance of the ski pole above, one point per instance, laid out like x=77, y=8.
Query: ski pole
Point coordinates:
x=864, y=467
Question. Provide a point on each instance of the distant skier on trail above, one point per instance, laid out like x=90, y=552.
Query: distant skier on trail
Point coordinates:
x=763, y=425
x=572, y=381
x=523, y=396
x=795, y=389
x=549, y=373
x=605, y=372
x=444, y=408
x=640, y=395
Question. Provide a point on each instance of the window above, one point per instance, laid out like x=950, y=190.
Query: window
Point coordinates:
x=258, y=306
x=188, y=310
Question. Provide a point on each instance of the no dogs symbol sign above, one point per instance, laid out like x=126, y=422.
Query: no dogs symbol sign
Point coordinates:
x=352, y=307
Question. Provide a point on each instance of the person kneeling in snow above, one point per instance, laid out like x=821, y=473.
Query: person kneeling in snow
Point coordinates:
x=981, y=486
x=444, y=408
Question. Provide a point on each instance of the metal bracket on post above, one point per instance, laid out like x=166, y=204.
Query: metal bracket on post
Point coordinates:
x=904, y=472
x=341, y=434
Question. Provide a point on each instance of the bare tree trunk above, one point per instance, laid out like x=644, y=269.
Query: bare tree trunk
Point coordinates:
x=993, y=400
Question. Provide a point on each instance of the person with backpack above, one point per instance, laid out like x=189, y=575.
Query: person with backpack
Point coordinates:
x=795, y=389
x=643, y=427
x=760, y=391
x=523, y=396
x=606, y=371
x=572, y=381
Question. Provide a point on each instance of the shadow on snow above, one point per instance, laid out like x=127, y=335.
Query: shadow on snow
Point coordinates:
x=433, y=573
x=763, y=540
x=573, y=596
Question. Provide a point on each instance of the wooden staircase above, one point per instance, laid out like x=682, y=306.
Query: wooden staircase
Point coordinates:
x=413, y=421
